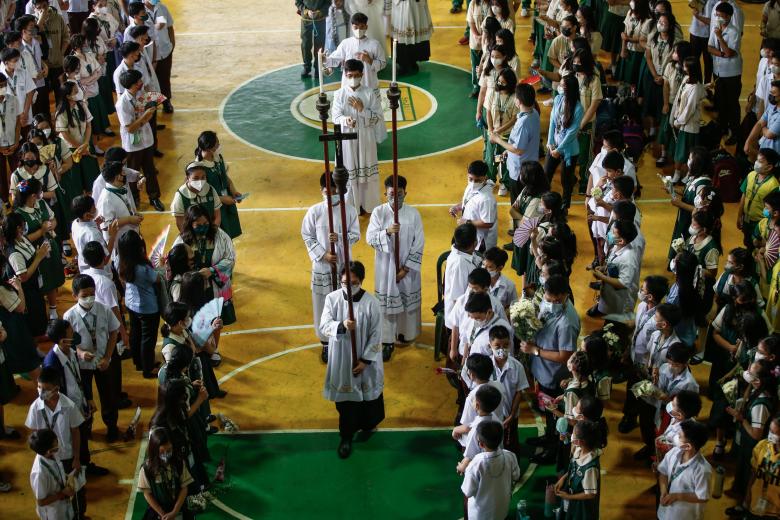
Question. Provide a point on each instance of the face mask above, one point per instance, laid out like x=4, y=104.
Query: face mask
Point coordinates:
x=773, y=438
x=670, y=408
x=775, y=69
x=197, y=185
x=165, y=457
x=87, y=302
x=47, y=132
x=201, y=229
x=492, y=274
x=759, y=356
x=187, y=322
x=355, y=287
x=496, y=10
x=391, y=201
x=662, y=27
x=334, y=199
x=354, y=81
x=551, y=308
x=102, y=10
x=499, y=87
x=3, y=90
x=693, y=231
x=359, y=33
x=757, y=166
x=642, y=297
x=678, y=443
x=560, y=90
x=673, y=265
x=610, y=238
x=497, y=62
x=47, y=394
x=78, y=96
x=767, y=213
x=566, y=31
x=542, y=279
x=764, y=53
x=500, y=353
x=31, y=163
x=578, y=68
x=632, y=5
x=720, y=21
x=748, y=377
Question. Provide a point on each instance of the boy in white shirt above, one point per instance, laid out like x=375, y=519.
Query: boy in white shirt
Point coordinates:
x=86, y=228
x=501, y=286
x=684, y=475
x=477, y=373
x=48, y=478
x=487, y=400
x=510, y=372
x=685, y=405
x=460, y=263
x=359, y=47
x=674, y=377
x=54, y=411
x=488, y=480
x=619, y=276
x=479, y=206
x=105, y=289
x=475, y=330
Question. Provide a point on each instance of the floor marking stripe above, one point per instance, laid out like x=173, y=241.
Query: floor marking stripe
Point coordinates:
x=426, y=205
x=134, y=489
x=257, y=361
x=235, y=514
x=297, y=29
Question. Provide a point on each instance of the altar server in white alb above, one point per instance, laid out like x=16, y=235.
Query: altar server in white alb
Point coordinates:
x=397, y=287
x=356, y=390
x=362, y=48
x=358, y=109
x=377, y=13
x=316, y=235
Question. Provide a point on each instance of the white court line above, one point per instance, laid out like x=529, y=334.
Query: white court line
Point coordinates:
x=431, y=205
x=134, y=489
x=235, y=514
x=257, y=361
x=297, y=29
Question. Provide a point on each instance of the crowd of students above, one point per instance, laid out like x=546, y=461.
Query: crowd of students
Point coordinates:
x=589, y=61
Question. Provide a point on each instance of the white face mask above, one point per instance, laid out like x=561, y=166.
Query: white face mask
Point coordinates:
x=670, y=408
x=78, y=96
x=773, y=438
x=758, y=166
x=759, y=356
x=632, y=5
x=197, y=185
x=47, y=132
x=673, y=265
x=87, y=302
x=334, y=199
x=642, y=297
x=497, y=62
x=775, y=69
x=187, y=322
x=694, y=232
x=662, y=27
x=678, y=443
x=500, y=353
x=3, y=91
x=359, y=33
x=355, y=287
x=355, y=81
x=764, y=53
x=46, y=394
x=492, y=274
x=102, y=10
x=748, y=377
x=542, y=279
x=496, y=10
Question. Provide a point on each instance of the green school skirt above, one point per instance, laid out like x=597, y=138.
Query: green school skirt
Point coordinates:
x=610, y=28
x=99, y=111
x=685, y=141
x=628, y=68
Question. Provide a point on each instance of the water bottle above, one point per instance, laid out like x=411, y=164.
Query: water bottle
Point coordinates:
x=522, y=510
x=717, y=482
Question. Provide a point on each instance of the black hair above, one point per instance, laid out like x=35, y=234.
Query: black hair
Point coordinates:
x=464, y=236
x=706, y=220
x=357, y=268
x=571, y=97
x=533, y=178
x=497, y=255
x=490, y=434
x=478, y=302
x=615, y=138
x=557, y=285
x=670, y=312
x=701, y=162
x=132, y=253
x=498, y=332
x=589, y=433
x=624, y=210
x=679, y=353
x=159, y=436
x=110, y=171
x=206, y=141
x=135, y=8
x=689, y=403
x=50, y=376
x=13, y=221
x=93, y=253
x=624, y=185
x=581, y=364
x=480, y=365
x=173, y=313
x=613, y=161
x=752, y=326
x=23, y=21
x=597, y=350
x=389, y=182
x=82, y=281
x=478, y=168
x=553, y=201
x=125, y=50
x=358, y=18
x=657, y=286
x=81, y=205
x=41, y=441
x=129, y=78
x=627, y=230
x=323, y=181
x=479, y=276
x=592, y=409
x=115, y=154
x=691, y=63
x=57, y=329
x=725, y=8
x=695, y=432
x=526, y=94
x=353, y=66
x=22, y=194
x=9, y=53
x=509, y=44
x=488, y=396
x=193, y=213
x=138, y=30
x=178, y=260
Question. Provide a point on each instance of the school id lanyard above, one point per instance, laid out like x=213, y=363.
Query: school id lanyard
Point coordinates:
x=477, y=332
x=676, y=473
x=54, y=473
x=649, y=314
x=53, y=419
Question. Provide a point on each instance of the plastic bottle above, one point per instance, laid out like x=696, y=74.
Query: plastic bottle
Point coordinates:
x=522, y=510
x=717, y=482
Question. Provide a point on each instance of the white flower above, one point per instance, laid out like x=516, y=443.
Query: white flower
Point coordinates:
x=678, y=244
x=597, y=192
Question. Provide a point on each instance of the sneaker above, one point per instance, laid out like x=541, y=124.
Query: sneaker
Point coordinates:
x=5, y=487
x=502, y=191
x=387, y=351
x=548, y=102
x=627, y=424
x=463, y=41
x=455, y=10
x=524, y=12
x=660, y=162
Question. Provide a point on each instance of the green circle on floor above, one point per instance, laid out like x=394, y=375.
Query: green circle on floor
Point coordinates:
x=275, y=112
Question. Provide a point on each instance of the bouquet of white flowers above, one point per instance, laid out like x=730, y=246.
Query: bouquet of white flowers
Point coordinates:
x=645, y=388
x=612, y=340
x=731, y=391
x=524, y=314
x=678, y=244
x=596, y=192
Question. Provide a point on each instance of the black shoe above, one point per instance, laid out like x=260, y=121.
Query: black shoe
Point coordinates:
x=94, y=470
x=324, y=354
x=211, y=430
x=696, y=360
x=109, y=133
x=157, y=204
x=345, y=448
x=10, y=434
x=660, y=162
x=167, y=107
x=644, y=454
x=126, y=355
x=547, y=456
x=158, y=154
x=161, y=127
x=403, y=340
x=220, y=394
x=211, y=418
x=456, y=10
x=387, y=351
x=627, y=424
x=542, y=440
x=306, y=73
x=124, y=403
x=594, y=312
x=732, y=140
x=112, y=435
x=509, y=247
x=596, y=286
x=736, y=511
x=474, y=95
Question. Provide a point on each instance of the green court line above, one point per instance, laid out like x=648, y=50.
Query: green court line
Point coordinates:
x=396, y=474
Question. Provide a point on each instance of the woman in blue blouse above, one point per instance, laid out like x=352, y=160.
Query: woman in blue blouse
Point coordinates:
x=562, y=145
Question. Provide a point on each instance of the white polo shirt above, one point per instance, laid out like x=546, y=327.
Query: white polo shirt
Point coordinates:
x=82, y=234
x=142, y=138
x=60, y=420
x=48, y=477
x=105, y=290
x=691, y=477
x=94, y=326
x=9, y=111
x=480, y=204
x=488, y=484
x=727, y=67
x=70, y=365
x=513, y=379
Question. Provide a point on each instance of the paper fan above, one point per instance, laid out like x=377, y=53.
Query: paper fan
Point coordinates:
x=772, y=248
x=523, y=231
x=531, y=80
x=159, y=247
x=201, y=322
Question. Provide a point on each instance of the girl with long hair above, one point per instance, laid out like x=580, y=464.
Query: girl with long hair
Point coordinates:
x=208, y=155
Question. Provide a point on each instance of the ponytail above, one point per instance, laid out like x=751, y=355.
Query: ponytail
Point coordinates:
x=165, y=330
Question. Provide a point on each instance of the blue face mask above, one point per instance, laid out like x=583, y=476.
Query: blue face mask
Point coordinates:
x=767, y=213
x=610, y=238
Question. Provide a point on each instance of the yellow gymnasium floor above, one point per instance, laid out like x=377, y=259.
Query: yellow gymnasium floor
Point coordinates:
x=273, y=379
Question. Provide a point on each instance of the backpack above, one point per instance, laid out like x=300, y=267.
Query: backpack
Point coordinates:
x=727, y=175
x=710, y=136
x=634, y=139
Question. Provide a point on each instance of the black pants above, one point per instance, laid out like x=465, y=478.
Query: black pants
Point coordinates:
x=568, y=179
x=54, y=82
x=79, y=500
x=647, y=423
x=108, y=384
x=699, y=49
x=727, y=91
x=549, y=418
x=41, y=104
x=631, y=404
x=143, y=160
x=163, y=70
x=360, y=415
x=143, y=339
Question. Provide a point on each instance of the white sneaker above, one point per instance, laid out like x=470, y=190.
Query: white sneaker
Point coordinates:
x=676, y=178
x=548, y=102
x=98, y=150
x=216, y=357
x=53, y=314
x=524, y=12
x=502, y=191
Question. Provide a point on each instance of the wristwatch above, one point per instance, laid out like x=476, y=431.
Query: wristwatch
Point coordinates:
x=538, y=352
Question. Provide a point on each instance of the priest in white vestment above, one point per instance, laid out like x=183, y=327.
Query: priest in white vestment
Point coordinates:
x=411, y=25
x=362, y=47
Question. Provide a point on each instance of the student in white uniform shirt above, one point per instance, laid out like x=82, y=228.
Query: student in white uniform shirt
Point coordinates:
x=685, y=405
x=651, y=293
x=684, y=475
x=28, y=28
x=674, y=377
x=10, y=130
x=458, y=319
x=488, y=480
x=136, y=132
x=479, y=207
x=478, y=370
x=487, y=400
x=165, y=42
x=85, y=229
x=619, y=277
x=116, y=204
x=474, y=332
x=20, y=84
x=54, y=411
x=196, y=190
x=60, y=6
x=460, y=262
x=48, y=478
x=105, y=288
x=138, y=16
x=510, y=372
x=501, y=287
x=117, y=153
x=359, y=47
x=317, y=239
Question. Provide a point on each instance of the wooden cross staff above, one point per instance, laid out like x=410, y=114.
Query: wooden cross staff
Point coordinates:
x=323, y=107
x=341, y=177
x=394, y=96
